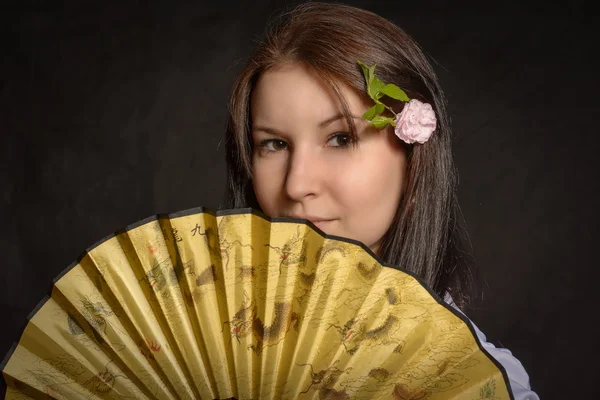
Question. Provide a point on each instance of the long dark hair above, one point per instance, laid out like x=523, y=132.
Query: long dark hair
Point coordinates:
x=426, y=236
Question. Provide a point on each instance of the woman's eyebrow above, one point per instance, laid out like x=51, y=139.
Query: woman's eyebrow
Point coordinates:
x=334, y=118
x=322, y=124
x=266, y=129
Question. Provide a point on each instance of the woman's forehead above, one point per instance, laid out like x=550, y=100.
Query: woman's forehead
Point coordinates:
x=294, y=90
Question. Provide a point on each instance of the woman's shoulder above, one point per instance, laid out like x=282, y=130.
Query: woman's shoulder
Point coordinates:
x=517, y=376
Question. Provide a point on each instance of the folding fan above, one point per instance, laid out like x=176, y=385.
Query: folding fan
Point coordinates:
x=232, y=304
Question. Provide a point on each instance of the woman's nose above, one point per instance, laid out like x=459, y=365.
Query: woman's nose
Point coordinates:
x=304, y=175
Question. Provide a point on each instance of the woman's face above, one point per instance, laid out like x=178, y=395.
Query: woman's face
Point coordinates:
x=305, y=165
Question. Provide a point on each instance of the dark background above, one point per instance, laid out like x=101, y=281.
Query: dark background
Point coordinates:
x=110, y=113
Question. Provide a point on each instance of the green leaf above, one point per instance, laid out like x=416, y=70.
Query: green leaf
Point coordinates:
x=367, y=72
x=375, y=87
x=373, y=111
x=374, y=84
x=394, y=92
x=372, y=70
x=381, y=121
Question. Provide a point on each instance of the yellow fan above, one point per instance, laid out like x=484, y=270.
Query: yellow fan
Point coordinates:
x=232, y=304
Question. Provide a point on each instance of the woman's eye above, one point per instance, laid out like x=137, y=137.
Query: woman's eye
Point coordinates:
x=273, y=145
x=340, y=140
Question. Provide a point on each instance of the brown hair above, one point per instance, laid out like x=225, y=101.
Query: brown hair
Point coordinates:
x=426, y=236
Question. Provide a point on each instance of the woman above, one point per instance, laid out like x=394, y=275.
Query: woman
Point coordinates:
x=298, y=145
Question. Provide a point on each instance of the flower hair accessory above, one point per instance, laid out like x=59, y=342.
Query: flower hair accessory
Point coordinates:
x=415, y=123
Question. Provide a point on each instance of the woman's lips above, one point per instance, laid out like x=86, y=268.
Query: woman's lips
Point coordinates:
x=319, y=222
x=322, y=223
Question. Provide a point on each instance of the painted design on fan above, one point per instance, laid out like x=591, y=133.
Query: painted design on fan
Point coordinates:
x=53, y=392
x=64, y=370
x=441, y=383
x=246, y=273
x=147, y=347
x=211, y=239
x=183, y=268
x=344, y=291
x=323, y=380
x=241, y=323
x=400, y=348
x=208, y=276
x=305, y=282
x=103, y=382
x=443, y=366
x=354, y=333
x=392, y=296
x=64, y=363
x=327, y=249
x=368, y=273
x=403, y=392
x=246, y=322
x=226, y=244
x=377, y=383
x=50, y=382
x=205, y=280
x=438, y=359
x=488, y=391
x=273, y=334
x=154, y=346
x=293, y=251
x=379, y=374
x=226, y=248
x=332, y=394
x=429, y=378
x=152, y=249
x=96, y=314
x=164, y=274
x=74, y=327
x=78, y=333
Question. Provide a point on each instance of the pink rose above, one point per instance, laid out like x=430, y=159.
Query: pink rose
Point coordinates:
x=416, y=122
